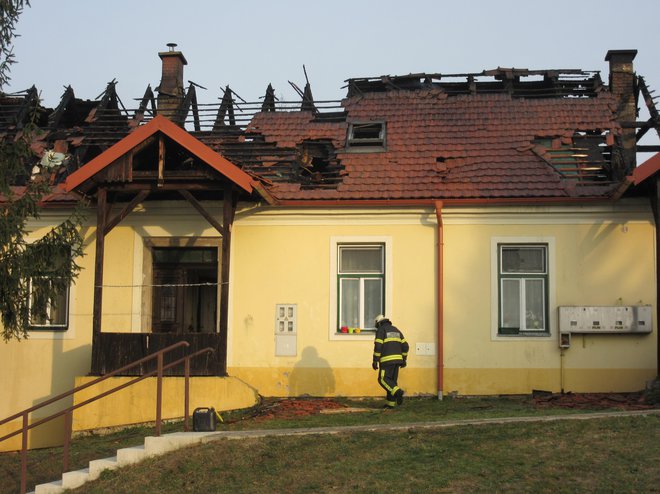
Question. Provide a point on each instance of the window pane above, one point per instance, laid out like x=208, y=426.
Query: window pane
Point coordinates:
x=58, y=309
x=367, y=259
x=373, y=300
x=366, y=134
x=367, y=131
x=176, y=255
x=349, y=311
x=523, y=259
x=51, y=312
x=167, y=303
x=534, y=305
x=510, y=303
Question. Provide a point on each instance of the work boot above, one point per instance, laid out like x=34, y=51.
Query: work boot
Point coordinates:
x=399, y=397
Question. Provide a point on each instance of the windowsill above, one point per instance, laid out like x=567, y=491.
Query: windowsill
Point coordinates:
x=365, y=149
x=58, y=329
x=525, y=334
x=363, y=335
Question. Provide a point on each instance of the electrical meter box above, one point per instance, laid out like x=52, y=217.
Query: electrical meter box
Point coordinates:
x=606, y=319
x=286, y=329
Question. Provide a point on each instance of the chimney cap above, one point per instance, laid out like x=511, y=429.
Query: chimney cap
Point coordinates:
x=622, y=55
x=171, y=53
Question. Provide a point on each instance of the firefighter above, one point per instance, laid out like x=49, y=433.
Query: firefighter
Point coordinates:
x=390, y=353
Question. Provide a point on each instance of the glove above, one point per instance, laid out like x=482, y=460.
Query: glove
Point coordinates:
x=404, y=364
x=374, y=365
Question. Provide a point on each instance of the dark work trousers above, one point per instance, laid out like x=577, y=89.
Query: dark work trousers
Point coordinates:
x=388, y=375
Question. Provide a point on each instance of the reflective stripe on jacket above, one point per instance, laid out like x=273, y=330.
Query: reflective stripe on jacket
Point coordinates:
x=390, y=346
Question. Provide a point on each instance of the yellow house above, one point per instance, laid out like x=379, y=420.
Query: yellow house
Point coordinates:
x=498, y=219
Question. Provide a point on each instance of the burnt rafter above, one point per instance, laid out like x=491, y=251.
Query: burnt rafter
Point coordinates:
x=654, y=118
x=225, y=116
x=147, y=104
x=269, y=99
x=108, y=115
x=306, y=94
x=189, y=103
x=27, y=108
x=67, y=98
x=537, y=84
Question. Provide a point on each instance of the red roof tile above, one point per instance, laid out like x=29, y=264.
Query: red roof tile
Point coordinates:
x=483, y=143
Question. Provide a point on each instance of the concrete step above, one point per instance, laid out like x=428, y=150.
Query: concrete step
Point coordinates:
x=76, y=478
x=169, y=442
x=128, y=456
x=98, y=466
x=49, y=488
x=153, y=446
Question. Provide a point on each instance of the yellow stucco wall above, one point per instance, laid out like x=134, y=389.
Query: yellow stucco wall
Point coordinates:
x=600, y=255
x=607, y=261
x=137, y=403
x=286, y=259
x=118, y=278
x=45, y=364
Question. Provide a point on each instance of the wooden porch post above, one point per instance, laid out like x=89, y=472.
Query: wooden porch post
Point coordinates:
x=228, y=211
x=101, y=218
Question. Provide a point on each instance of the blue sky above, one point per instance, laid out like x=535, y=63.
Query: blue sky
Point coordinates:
x=248, y=44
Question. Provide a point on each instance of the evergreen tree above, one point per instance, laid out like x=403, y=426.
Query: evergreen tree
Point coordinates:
x=32, y=274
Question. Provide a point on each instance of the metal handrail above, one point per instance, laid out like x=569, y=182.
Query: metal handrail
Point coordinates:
x=68, y=412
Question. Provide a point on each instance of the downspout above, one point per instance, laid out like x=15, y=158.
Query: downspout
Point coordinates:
x=440, y=302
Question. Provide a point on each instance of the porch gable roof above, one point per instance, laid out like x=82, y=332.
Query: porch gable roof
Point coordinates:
x=178, y=135
x=647, y=169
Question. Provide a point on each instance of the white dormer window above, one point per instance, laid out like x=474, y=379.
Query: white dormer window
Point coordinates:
x=366, y=136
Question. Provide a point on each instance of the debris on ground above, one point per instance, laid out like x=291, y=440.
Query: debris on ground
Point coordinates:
x=652, y=393
x=619, y=401
x=291, y=408
x=296, y=407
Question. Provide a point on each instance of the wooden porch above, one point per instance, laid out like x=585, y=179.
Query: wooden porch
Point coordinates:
x=115, y=350
x=162, y=161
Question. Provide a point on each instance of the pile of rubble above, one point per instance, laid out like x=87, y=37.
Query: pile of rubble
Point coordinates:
x=291, y=408
x=620, y=401
x=295, y=407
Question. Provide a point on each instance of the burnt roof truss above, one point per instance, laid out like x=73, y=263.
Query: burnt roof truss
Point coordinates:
x=654, y=117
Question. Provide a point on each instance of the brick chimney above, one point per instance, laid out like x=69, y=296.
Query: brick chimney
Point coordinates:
x=171, y=91
x=623, y=83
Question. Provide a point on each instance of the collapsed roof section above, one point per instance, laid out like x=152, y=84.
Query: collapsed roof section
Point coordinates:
x=504, y=133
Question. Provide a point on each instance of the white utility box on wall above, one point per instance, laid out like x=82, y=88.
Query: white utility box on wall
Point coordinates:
x=286, y=322
x=606, y=319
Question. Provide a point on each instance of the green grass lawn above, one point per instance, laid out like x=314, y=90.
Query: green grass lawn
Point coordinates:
x=603, y=455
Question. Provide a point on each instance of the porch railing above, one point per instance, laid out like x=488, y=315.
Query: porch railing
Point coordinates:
x=161, y=367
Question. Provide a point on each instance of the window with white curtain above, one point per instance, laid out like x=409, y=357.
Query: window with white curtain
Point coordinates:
x=361, y=284
x=523, y=289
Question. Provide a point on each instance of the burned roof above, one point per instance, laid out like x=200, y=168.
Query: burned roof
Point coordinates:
x=433, y=145
x=497, y=134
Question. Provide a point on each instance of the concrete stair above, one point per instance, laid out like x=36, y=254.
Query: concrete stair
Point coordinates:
x=153, y=446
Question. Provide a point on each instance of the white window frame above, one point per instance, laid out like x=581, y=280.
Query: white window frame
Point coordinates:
x=367, y=144
x=48, y=326
x=495, y=287
x=335, y=243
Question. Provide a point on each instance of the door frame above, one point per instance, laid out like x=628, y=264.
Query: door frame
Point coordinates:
x=149, y=243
